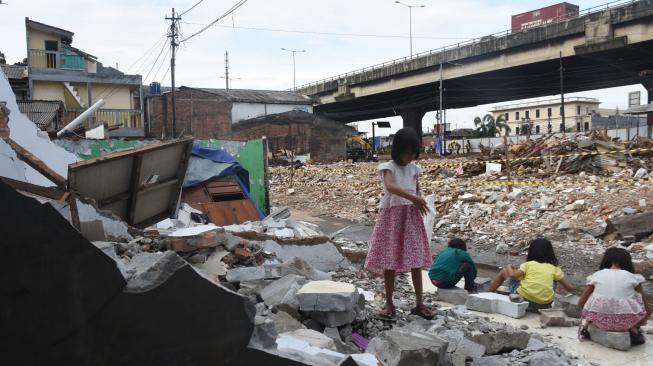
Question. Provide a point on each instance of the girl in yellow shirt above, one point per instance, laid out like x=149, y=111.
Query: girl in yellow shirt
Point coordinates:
x=534, y=279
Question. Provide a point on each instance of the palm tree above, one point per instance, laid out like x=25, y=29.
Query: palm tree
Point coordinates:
x=488, y=126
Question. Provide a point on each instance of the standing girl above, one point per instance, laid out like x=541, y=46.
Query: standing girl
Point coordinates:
x=613, y=299
x=399, y=242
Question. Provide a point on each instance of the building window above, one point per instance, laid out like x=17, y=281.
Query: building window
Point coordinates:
x=587, y=126
x=548, y=111
x=561, y=110
x=527, y=113
x=517, y=116
x=578, y=127
x=517, y=130
x=578, y=110
x=562, y=128
x=506, y=116
x=587, y=109
x=537, y=129
x=537, y=113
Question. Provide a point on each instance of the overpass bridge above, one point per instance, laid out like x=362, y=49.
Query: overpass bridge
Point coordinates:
x=604, y=47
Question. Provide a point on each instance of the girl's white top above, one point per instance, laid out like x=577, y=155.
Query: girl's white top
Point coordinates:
x=614, y=292
x=403, y=176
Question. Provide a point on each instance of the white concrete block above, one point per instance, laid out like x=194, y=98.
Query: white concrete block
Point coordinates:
x=490, y=302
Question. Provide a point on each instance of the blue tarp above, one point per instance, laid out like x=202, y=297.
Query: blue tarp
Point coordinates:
x=207, y=163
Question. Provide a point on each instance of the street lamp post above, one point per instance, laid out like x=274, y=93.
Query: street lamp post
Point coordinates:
x=294, y=79
x=410, y=20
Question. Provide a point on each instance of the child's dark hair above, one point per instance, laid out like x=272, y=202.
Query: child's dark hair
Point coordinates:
x=617, y=256
x=405, y=140
x=457, y=243
x=541, y=250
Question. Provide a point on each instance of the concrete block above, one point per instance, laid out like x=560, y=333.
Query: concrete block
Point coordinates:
x=482, y=284
x=615, y=340
x=408, y=348
x=491, y=361
x=569, y=305
x=456, y=296
x=557, y=318
x=546, y=358
x=327, y=296
x=332, y=332
x=300, y=267
x=302, y=348
x=489, y=302
x=282, y=293
x=501, y=341
x=241, y=274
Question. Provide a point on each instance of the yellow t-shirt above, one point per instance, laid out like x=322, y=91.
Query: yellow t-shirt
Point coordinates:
x=536, y=285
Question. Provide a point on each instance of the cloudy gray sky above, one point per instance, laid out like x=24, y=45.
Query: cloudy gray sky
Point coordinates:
x=130, y=33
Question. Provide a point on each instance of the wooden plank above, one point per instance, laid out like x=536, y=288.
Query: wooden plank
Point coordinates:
x=125, y=196
x=74, y=213
x=37, y=164
x=135, y=186
x=48, y=192
x=230, y=212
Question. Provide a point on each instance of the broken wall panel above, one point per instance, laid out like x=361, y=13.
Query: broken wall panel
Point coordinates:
x=141, y=185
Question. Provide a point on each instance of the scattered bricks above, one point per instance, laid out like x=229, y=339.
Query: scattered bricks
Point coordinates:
x=616, y=340
x=229, y=259
x=327, y=296
x=456, y=296
x=569, y=305
x=556, y=318
x=408, y=348
x=482, y=284
x=188, y=244
x=242, y=253
x=489, y=302
x=501, y=341
x=151, y=232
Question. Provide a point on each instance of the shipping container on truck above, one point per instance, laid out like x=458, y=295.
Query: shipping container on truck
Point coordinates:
x=546, y=15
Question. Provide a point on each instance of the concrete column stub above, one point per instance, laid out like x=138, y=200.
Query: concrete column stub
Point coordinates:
x=413, y=119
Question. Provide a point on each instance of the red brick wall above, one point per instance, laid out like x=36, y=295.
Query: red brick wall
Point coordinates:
x=203, y=115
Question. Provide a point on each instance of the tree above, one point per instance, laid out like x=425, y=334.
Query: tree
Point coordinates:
x=488, y=126
x=3, y=61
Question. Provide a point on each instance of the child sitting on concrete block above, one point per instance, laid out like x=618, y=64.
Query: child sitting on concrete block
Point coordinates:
x=534, y=279
x=452, y=264
x=614, y=299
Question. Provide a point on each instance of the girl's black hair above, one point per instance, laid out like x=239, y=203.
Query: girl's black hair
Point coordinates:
x=457, y=243
x=617, y=256
x=405, y=140
x=541, y=250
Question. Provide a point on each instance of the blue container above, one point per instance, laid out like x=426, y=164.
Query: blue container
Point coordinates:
x=155, y=88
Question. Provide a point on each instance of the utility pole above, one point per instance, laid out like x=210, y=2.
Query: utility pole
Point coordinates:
x=410, y=21
x=440, y=114
x=562, y=96
x=226, y=69
x=173, y=46
x=294, y=74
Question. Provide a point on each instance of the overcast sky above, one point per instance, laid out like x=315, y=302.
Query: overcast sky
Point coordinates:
x=130, y=33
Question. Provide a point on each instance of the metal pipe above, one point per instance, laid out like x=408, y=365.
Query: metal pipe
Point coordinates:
x=81, y=118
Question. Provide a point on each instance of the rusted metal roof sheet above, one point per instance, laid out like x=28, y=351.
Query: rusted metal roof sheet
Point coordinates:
x=253, y=96
x=44, y=113
x=14, y=72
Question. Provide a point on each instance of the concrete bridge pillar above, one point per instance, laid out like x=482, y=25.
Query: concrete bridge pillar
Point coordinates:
x=413, y=119
x=649, y=115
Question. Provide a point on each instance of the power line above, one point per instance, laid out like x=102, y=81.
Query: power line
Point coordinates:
x=325, y=33
x=191, y=8
x=231, y=10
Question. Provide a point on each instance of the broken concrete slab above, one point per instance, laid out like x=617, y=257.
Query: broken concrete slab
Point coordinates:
x=265, y=334
x=282, y=293
x=501, y=341
x=460, y=349
x=398, y=347
x=300, y=267
x=333, y=333
x=50, y=262
x=214, y=267
x=637, y=226
x=241, y=274
x=327, y=296
x=456, y=296
x=323, y=257
x=333, y=318
x=489, y=302
x=615, y=340
x=299, y=348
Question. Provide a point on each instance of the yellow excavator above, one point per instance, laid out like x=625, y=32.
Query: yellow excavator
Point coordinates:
x=358, y=149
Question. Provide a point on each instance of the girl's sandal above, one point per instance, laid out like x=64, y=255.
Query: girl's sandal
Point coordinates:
x=422, y=311
x=388, y=313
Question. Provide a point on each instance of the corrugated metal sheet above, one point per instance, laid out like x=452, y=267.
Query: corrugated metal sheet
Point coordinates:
x=44, y=113
x=253, y=96
x=14, y=72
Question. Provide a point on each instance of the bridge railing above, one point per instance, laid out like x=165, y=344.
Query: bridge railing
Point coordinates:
x=582, y=13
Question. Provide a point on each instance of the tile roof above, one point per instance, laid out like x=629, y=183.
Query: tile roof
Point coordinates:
x=42, y=112
x=14, y=72
x=252, y=95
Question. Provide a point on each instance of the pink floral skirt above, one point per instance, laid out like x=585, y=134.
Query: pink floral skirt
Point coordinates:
x=614, y=322
x=398, y=241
